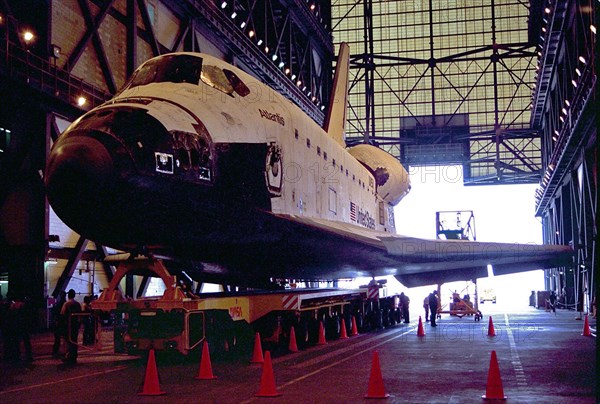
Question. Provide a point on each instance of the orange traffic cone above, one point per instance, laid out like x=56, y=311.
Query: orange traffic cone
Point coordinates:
x=205, y=372
x=257, y=355
x=343, y=332
x=491, y=331
x=354, y=330
x=293, y=347
x=267, y=380
x=586, y=327
x=151, y=386
x=376, y=388
x=322, y=340
x=494, y=390
x=420, y=329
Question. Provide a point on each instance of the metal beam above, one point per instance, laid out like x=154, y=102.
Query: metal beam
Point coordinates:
x=98, y=47
x=87, y=36
x=143, y=287
x=109, y=270
x=132, y=38
x=432, y=61
x=149, y=29
x=67, y=274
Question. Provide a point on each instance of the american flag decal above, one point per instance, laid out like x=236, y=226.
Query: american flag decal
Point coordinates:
x=352, y=211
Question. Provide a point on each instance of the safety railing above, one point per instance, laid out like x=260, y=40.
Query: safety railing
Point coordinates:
x=44, y=75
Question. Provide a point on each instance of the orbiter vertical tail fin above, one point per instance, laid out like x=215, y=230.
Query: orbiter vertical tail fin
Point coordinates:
x=335, y=121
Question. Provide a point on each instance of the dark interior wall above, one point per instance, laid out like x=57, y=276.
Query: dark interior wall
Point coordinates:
x=22, y=198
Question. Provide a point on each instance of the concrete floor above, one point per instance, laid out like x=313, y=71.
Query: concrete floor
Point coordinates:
x=542, y=358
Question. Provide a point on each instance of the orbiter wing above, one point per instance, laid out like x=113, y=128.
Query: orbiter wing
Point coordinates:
x=418, y=262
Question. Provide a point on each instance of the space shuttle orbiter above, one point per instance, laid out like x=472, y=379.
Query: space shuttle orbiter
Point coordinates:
x=196, y=160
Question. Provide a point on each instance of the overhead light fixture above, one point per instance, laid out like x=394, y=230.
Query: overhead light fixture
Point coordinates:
x=224, y=4
x=233, y=15
x=543, y=29
x=281, y=64
x=251, y=33
x=81, y=101
x=56, y=51
x=299, y=83
x=243, y=24
x=578, y=71
x=593, y=28
x=260, y=41
x=564, y=111
x=28, y=36
x=287, y=70
x=274, y=57
x=293, y=77
x=568, y=103
x=574, y=83
x=562, y=119
x=547, y=10
x=322, y=107
x=582, y=59
x=266, y=49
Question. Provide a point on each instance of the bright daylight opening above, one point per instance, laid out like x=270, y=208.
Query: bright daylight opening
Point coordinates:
x=503, y=213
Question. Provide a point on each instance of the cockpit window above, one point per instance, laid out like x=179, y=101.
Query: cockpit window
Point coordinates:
x=170, y=68
x=188, y=69
x=216, y=78
x=238, y=85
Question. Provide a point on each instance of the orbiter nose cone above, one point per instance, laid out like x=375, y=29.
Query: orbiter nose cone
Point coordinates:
x=78, y=169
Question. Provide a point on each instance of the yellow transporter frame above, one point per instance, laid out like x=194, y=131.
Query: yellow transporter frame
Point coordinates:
x=201, y=315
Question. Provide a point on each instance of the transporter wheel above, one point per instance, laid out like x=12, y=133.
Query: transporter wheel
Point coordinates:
x=360, y=321
x=332, y=326
x=385, y=318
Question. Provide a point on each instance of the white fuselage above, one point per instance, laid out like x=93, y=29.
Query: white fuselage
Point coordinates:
x=320, y=178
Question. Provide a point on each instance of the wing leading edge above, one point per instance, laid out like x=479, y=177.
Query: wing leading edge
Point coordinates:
x=419, y=262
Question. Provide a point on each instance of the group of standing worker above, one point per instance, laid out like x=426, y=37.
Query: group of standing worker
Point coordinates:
x=66, y=324
x=17, y=320
x=431, y=303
